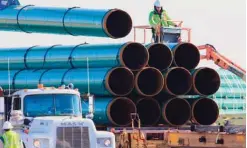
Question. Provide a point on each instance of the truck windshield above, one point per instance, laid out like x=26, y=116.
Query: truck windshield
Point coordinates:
x=51, y=105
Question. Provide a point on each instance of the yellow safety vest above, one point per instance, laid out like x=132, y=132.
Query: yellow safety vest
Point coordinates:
x=11, y=140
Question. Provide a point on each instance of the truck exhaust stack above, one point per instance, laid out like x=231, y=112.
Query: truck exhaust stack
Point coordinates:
x=204, y=111
x=149, y=111
x=177, y=81
x=149, y=81
x=205, y=81
x=160, y=56
x=176, y=112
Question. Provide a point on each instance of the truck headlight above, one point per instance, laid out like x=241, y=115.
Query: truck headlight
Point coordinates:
x=41, y=142
x=36, y=143
x=107, y=142
x=104, y=142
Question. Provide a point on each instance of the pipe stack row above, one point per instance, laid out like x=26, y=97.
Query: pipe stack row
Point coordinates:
x=125, y=78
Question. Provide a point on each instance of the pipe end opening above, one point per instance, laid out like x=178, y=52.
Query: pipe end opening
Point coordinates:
x=177, y=112
x=160, y=56
x=118, y=23
x=207, y=81
x=149, y=111
x=178, y=81
x=186, y=55
x=149, y=81
x=120, y=81
x=119, y=111
x=205, y=111
x=134, y=56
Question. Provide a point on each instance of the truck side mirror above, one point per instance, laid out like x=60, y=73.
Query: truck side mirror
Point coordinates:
x=26, y=122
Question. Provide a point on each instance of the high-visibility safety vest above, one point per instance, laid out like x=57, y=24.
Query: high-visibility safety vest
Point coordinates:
x=11, y=140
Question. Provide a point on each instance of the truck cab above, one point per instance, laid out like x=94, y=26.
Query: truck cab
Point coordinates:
x=52, y=118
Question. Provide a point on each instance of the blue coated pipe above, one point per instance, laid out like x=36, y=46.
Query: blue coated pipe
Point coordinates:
x=113, y=23
x=117, y=81
x=111, y=111
x=185, y=55
x=132, y=55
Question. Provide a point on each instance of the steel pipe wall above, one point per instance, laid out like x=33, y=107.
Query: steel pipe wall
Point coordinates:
x=109, y=111
x=113, y=23
x=117, y=81
x=132, y=55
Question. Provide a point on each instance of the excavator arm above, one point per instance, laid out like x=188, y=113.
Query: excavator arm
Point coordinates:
x=222, y=61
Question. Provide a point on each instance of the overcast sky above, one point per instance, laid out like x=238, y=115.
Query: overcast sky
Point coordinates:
x=217, y=22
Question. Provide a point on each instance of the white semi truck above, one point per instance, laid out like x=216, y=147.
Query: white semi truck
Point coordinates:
x=52, y=118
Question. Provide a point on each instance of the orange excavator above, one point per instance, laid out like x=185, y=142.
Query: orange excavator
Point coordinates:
x=211, y=52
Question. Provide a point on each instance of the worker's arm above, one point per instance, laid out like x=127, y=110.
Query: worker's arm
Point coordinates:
x=151, y=20
x=171, y=23
x=1, y=142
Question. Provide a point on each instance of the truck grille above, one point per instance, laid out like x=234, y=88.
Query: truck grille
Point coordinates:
x=72, y=137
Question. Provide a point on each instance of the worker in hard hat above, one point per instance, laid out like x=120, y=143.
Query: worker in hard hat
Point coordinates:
x=159, y=18
x=10, y=139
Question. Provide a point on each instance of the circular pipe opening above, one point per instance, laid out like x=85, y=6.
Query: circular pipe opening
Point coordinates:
x=160, y=56
x=177, y=81
x=134, y=56
x=149, y=111
x=176, y=112
x=119, y=111
x=186, y=55
x=205, y=111
x=149, y=81
x=206, y=81
x=120, y=81
x=117, y=23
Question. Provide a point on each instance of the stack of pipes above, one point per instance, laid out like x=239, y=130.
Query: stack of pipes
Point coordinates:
x=125, y=78
x=170, y=91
